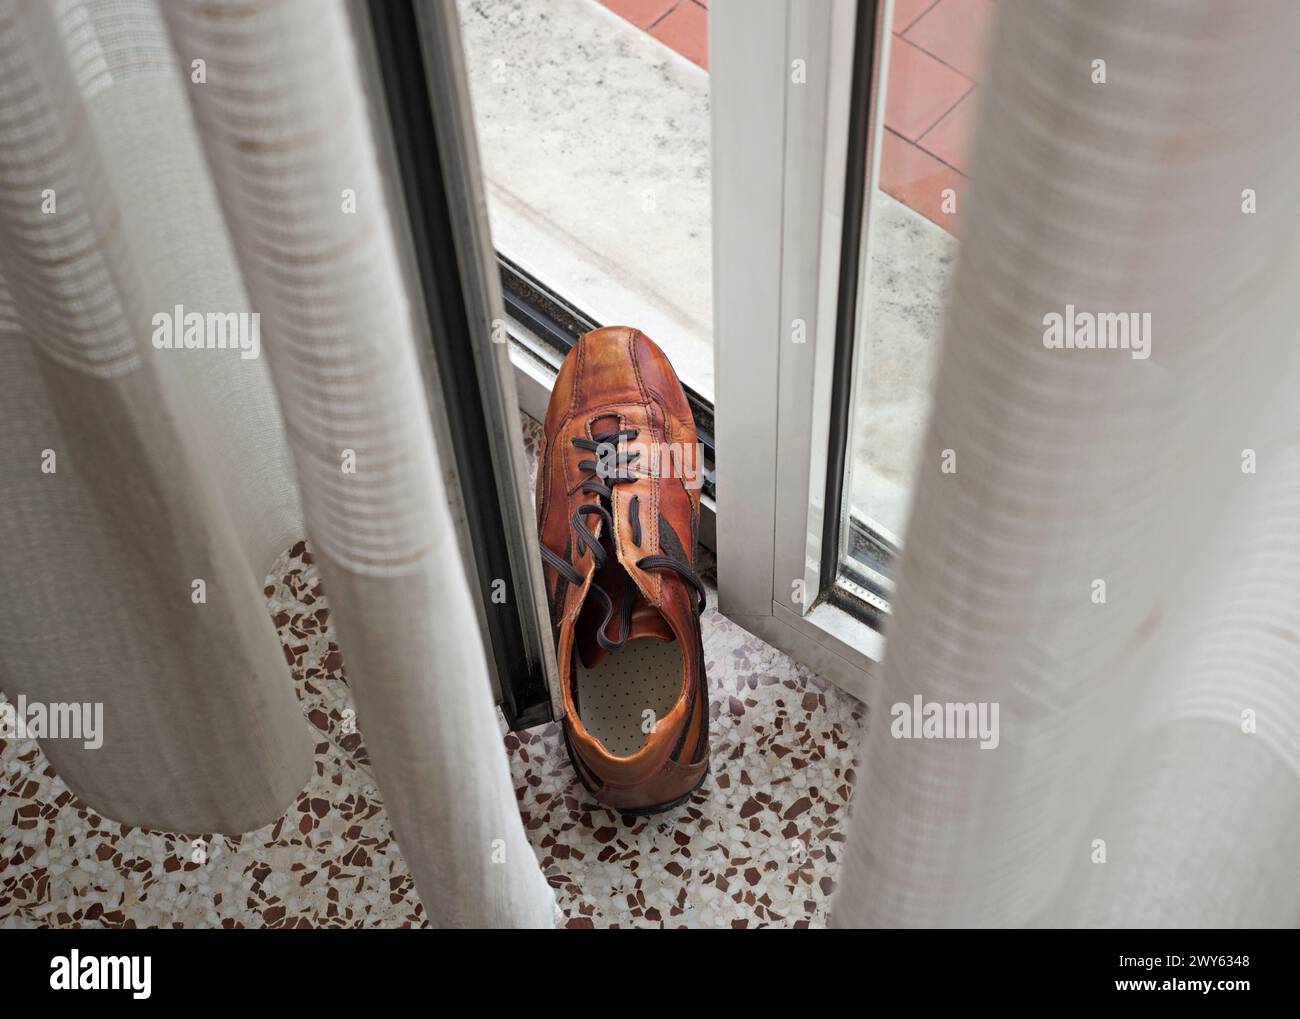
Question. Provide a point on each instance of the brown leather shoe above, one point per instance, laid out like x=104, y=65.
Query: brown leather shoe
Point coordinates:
x=618, y=509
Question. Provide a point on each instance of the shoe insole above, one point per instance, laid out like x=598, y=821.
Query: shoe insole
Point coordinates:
x=613, y=698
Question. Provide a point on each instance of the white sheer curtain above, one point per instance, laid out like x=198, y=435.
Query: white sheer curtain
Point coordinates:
x=176, y=465
x=1157, y=730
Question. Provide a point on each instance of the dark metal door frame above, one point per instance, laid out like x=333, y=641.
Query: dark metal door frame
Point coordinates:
x=420, y=68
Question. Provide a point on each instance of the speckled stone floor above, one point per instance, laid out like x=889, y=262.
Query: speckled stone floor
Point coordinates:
x=757, y=846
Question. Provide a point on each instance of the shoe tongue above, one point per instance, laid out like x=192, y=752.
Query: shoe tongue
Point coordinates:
x=647, y=622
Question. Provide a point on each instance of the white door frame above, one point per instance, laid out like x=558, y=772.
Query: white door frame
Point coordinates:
x=781, y=76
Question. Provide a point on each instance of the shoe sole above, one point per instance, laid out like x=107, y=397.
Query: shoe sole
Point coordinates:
x=658, y=808
x=662, y=807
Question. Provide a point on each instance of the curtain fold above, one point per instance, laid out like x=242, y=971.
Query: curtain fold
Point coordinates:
x=282, y=117
x=1114, y=560
x=127, y=474
x=183, y=464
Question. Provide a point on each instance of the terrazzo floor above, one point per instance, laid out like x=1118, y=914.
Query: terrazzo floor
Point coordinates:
x=757, y=846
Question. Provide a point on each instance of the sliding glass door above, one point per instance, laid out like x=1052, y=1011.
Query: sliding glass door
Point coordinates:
x=838, y=186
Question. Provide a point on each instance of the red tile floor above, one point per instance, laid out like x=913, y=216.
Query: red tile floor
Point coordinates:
x=936, y=65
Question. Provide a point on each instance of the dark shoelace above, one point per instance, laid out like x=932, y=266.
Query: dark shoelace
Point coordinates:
x=616, y=473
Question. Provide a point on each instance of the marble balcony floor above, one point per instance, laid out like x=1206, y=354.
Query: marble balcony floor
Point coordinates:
x=757, y=846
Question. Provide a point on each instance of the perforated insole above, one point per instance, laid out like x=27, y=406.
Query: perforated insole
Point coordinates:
x=646, y=675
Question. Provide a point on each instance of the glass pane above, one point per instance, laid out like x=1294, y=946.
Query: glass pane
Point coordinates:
x=593, y=125
x=936, y=62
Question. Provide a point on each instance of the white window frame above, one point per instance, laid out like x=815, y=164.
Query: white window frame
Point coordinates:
x=779, y=176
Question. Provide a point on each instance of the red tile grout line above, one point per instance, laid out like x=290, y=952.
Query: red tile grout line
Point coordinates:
x=910, y=24
x=691, y=43
x=918, y=46
x=921, y=137
x=937, y=159
x=661, y=17
x=674, y=7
